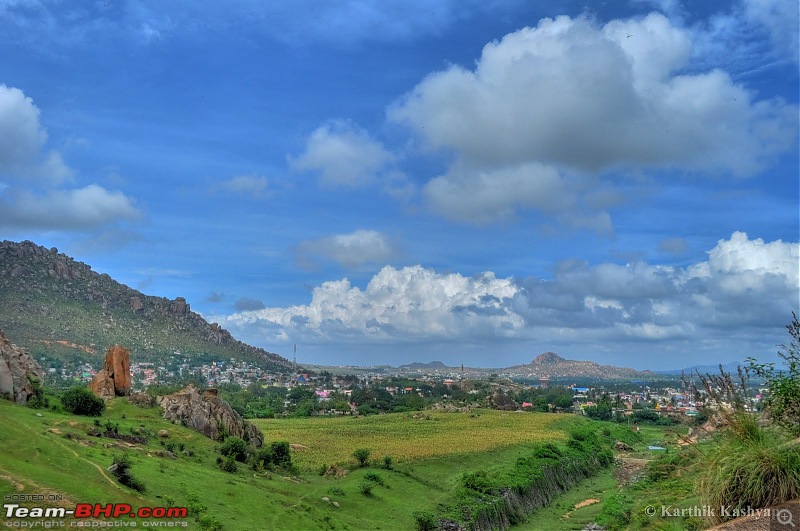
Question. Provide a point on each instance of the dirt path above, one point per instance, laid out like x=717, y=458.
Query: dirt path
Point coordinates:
x=629, y=469
x=76, y=454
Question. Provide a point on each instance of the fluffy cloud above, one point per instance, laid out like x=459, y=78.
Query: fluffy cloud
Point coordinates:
x=569, y=97
x=32, y=197
x=348, y=250
x=397, y=305
x=78, y=209
x=343, y=154
x=22, y=141
x=744, y=285
x=484, y=196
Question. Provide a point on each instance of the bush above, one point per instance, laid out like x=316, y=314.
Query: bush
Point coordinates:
x=425, y=521
x=276, y=456
x=372, y=477
x=120, y=468
x=81, y=401
x=616, y=512
x=387, y=462
x=228, y=464
x=362, y=455
x=743, y=474
x=37, y=400
x=234, y=447
x=365, y=488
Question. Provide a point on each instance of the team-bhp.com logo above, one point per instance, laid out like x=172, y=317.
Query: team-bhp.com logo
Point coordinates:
x=94, y=510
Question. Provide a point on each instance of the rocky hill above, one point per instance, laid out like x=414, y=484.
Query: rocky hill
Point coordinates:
x=552, y=365
x=547, y=358
x=51, y=304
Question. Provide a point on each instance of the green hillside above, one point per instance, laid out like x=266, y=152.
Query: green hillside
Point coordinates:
x=45, y=452
x=56, y=306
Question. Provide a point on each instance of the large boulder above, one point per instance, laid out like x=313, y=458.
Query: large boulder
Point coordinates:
x=208, y=414
x=114, y=379
x=19, y=372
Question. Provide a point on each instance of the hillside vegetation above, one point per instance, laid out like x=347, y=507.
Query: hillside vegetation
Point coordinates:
x=52, y=452
x=54, y=305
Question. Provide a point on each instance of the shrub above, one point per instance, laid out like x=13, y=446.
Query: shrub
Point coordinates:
x=425, y=521
x=81, y=401
x=743, y=474
x=120, y=468
x=365, y=488
x=278, y=455
x=37, y=400
x=362, y=455
x=547, y=451
x=375, y=478
x=616, y=512
x=234, y=447
x=228, y=464
x=477, y=481
x=387, y=462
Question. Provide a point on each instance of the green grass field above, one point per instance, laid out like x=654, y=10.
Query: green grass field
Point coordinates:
x=50, y=453
x=409, y=437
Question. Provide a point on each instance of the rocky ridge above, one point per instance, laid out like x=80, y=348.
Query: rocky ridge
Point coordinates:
x=51, y=301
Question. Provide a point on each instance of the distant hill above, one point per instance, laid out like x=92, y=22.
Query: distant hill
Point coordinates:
x=547, y=364
x=552, y=365
x=52, y=304
x=704, y=369
x=430, y=365
x=547, y=358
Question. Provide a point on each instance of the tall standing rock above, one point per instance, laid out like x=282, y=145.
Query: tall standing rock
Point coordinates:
x=18, y=372
x=115, y=377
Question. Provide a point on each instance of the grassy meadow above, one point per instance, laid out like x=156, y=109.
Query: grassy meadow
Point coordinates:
x=410, y=437
x=46, y=452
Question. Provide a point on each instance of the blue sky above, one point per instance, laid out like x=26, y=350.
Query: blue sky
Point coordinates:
x=397, y=181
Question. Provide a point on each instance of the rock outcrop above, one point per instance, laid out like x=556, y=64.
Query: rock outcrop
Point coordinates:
x=115, y=377
x=547, y=358
x=19, y=372
x=208, y=414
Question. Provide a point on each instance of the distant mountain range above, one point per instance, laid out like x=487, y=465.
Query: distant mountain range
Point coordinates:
x=52, y=304
x=703, y=369
x=547, y=364
x=429, y=365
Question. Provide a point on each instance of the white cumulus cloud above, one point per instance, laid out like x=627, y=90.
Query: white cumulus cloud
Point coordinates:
x=744, y=287
x=569, y=97
x=343, y=154
x=83, y=208
x=23, y=139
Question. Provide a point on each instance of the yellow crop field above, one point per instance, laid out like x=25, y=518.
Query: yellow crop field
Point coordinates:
x=408, y=436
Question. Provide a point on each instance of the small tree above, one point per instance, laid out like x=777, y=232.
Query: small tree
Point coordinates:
x=81, y=401
x=362, y=455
